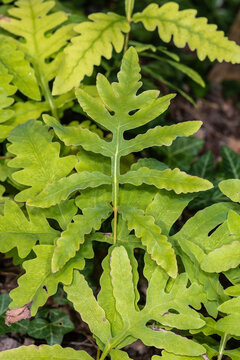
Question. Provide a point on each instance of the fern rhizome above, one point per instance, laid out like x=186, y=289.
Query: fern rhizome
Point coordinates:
x=72, y=184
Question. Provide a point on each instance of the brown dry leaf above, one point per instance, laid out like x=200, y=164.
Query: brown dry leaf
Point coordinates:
x=234, y=144
x=15, y=315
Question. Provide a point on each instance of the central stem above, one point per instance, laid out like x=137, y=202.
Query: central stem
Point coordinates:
x=46, y=91
x=115, y=174
x=222, y=346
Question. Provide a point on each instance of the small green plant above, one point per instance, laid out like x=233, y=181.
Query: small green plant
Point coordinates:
x=70, y=184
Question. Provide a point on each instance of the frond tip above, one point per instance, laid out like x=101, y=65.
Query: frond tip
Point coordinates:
x=98, y=38
x=185, y=28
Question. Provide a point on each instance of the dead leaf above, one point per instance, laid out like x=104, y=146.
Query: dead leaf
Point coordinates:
x=15, y=315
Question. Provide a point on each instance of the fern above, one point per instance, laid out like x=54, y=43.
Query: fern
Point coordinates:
x=75, y=184
x=30, y=21
x=97, y=39
x=23, y=74
x=200, y=237
x=105, y=31
x=133, y=320
x=36, y=287
x=39, y=158
x=122, y=99
x=5, y=92
x=49, y=352
x=185, y=28
x=17, y=231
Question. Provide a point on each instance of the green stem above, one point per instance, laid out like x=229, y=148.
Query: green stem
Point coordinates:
x=222, y=346
x=115, y=176
x=126, y=42
x=46, y=91
x=98, y=353
x=48, y=96
x=113, y=343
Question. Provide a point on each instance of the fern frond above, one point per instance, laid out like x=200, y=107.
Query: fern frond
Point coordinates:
x=17, y=231
x=70, y=240
x=185, y=28
x=30, y=20
x=37, y=286
x=38, y=158
x=231, y=188
x=133, y=321
x=21, y=113
x=44, y=352
x=61, y=189
x=23, y=74
x=121, y=109
x=42, y=44
x=167, y=179
x=157, y=244
x=6, y=91
x=98, y=38
x=121, y=98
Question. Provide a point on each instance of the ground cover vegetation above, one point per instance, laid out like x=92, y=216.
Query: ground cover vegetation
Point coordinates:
x=96, y=181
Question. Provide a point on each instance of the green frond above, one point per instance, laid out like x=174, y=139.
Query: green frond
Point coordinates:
x=122, y=98
x=119, y=355
x=30, y=20
x=230, y=323
x=227, y=256
x=18, y=231
x=23, y=74
x=167, y=179
x=38, y=157
x=21, y=113
x=170, y=356
x=36, y=286
x=63, y=213
x=88, y=307
x=6, y=91
x=97, y=39
x=44, y=351
x=231, y=188
x=133, y=321
x=129, y=5
x=223, y=258
x=185, y=28
x=41, y=37
x=71, y=239
x=61, y=189
x=156, y=244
